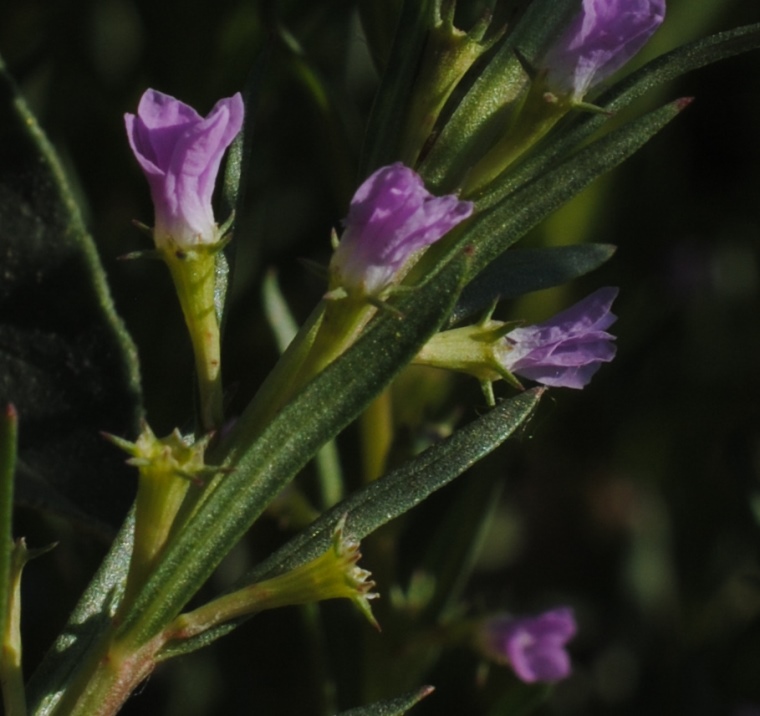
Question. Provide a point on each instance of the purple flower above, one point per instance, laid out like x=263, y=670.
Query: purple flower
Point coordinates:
x=392, y=216
x=180, y=152
x=566, y=350
x=533, y=646
x=599, y=41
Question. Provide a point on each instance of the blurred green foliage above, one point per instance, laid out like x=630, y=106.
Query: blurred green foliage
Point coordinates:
x=636, y=501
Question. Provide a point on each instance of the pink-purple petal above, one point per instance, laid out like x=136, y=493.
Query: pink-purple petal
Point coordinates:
x=180, y=153
x=534, y=646
x=602, y=38
x=568, y=349
x=392, y=216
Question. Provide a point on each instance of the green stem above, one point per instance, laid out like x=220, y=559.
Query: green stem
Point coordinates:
x=343, y=322
x=159, y=497
x=534, y=120
x=11, y=675
x=376, y=429
x=278, y=386
x=112, y=671
x=11, y=672
x=332, y=327
x=330, y=475
x=193, y=273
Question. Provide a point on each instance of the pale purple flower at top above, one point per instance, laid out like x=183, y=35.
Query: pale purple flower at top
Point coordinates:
x=180, y=153
x=566, y=350
x=392, y=216
x=533, y=646
x=603, y=37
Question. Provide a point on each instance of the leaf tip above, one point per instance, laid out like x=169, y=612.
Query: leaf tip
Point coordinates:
x=683, y=102
x=425, y=691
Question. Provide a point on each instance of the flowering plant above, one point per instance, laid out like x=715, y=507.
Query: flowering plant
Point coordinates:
x=569, y=348
x=290, y=478
x=391, y=218
x=533, y=646
x=602, y=38
x=180, y=153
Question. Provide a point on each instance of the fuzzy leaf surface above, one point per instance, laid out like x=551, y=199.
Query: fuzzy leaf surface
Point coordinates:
x=393, y=707
x=8, y=437
x=389, y=497
x=522, y=271
x=492, y=231
x=260, y=470
x=91, y=617
x=581, y=126
x=66, y=361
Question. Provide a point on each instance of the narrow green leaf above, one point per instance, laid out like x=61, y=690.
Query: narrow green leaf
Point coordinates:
x=680, y=61
x=394, y=707
x=379, y=19
x=401, y=490
x=66, y=361
x=665, y=68
x=91, y=618
x=493, y=231
x=324, y=407
x=285, y=328
x=385, y=127
x=8, y=444
x=482, y=113
x=235, y=182
x=389, y=497
x=522, y=271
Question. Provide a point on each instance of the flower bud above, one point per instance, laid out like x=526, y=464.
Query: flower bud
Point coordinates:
x=166, y=467
x=392, y=217
x=180, y=153
x=564, y=351
x=602, y=38
x=533, y=646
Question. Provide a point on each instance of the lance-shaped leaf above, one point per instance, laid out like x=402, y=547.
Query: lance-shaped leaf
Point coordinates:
x=574, y=132
x=66, y=361
x=388, y=497
x=384, y=133
x=522, y=271
x=484, y=110
x=8, y=437
x=91, y=618
x=492, y=231
x=262, y=468
x=234, y=185
x=393, y=707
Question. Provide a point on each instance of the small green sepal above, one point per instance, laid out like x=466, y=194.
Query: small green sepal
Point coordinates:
x=163, y=458
x=479, y=350
x=449, y=54
x=333, y=575
x=167, y=466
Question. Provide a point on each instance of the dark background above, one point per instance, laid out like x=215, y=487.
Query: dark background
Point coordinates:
x=637, y=501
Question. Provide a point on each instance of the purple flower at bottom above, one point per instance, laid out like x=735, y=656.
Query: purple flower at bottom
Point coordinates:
x=180, y=153
x=566, y=350
x=533, y=646
x=602, y=38
x=392, y=216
